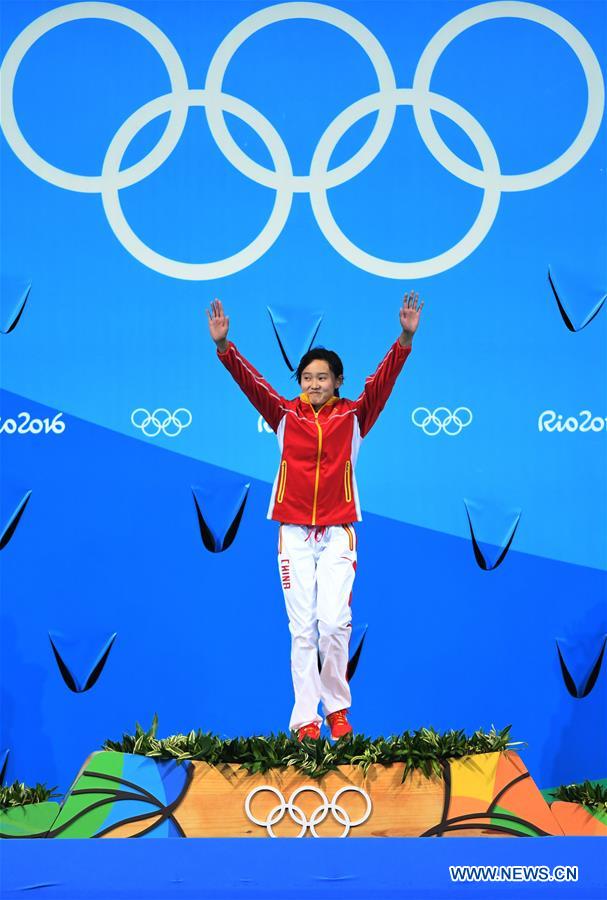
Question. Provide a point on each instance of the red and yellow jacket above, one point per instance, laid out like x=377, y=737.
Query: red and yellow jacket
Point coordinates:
x=315, y=483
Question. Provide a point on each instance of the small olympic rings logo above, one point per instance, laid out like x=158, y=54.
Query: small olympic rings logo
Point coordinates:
x=442, y=419
x=385, y=100
x=299, y=817
x=152, y=423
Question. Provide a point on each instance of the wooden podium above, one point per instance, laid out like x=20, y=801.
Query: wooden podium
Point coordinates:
x=489, y=794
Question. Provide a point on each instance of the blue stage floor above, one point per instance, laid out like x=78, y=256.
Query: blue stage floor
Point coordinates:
x=214, y=869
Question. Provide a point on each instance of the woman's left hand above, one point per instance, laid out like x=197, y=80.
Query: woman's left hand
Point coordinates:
x=409, y=314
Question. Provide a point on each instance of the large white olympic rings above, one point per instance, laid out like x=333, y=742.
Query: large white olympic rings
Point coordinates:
x=518, y=10
x=298, y=815
x=195, y=271
x=114, y=13
x=320, y=178
x=351, y=26
x=386, y=268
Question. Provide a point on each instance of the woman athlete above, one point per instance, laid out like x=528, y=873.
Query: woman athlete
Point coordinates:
x=315, y=500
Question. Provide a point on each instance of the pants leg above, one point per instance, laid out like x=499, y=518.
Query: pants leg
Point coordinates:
x=297, y=569
x=335, y=573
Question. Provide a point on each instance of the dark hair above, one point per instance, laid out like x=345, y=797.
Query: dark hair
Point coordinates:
x=329, y=356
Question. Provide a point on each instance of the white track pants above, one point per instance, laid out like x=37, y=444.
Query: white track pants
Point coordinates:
x=317, y=565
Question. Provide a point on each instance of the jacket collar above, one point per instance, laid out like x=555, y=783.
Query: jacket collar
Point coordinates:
x=305, y=399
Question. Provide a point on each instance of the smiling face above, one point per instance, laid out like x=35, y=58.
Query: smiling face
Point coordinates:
x=319, y=382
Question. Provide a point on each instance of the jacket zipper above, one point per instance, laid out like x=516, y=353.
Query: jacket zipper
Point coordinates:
x=317, y=460
x=283, y=481
x=347, y=481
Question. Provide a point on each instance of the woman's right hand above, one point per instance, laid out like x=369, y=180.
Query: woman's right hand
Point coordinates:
x=218, y=324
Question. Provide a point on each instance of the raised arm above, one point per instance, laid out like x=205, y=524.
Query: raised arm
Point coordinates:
x=261, y=394
x=378, y=386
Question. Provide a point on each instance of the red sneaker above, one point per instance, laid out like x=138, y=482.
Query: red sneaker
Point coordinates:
x=309, y=731
x=339, y=725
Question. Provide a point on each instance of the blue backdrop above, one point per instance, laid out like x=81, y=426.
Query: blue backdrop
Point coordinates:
x=106, y=239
